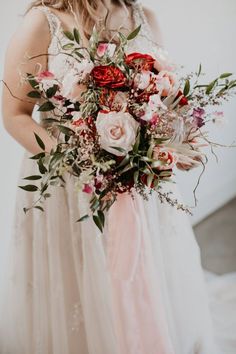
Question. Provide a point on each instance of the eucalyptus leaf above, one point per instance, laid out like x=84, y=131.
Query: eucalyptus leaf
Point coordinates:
x=83, y=218
x=33, y=178
x=38, y=156
x=42, y=168
x=65, y=130
x=34, y=94
x=38, y=207
x=39, y=141
x=98, y=222
x=187, y=88
x=51, y=91
x=69, y=35
x=29, y=188
x=225, y=75
x=134, y=34
x=101, y=217
x=46, y=106
x=76, y=35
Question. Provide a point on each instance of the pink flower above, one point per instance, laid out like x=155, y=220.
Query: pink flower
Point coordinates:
x=166, y=83
x=165, y=160
x=45, y=75
x=106, y=48
x=88, y=188
x=46, y=80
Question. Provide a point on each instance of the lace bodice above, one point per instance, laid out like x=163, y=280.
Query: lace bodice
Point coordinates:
x=59, y=63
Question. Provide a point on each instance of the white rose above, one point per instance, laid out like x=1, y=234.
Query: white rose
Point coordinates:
x=117, y=129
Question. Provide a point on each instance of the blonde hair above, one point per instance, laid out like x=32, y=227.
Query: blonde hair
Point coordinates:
x=86, y=11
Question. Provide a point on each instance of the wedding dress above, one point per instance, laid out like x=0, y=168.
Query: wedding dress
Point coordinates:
x=139, y=288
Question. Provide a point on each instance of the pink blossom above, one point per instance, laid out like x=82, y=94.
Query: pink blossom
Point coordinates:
x=44, y=75
x=106, y=48
x=88, y=188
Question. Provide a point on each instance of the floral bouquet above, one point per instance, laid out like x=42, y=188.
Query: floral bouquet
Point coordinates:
x=122, y=122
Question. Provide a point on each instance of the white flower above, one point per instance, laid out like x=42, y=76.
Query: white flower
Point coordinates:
x=76, y=74
x=142, y=80
x=117, y=129
x=154, y=104
x=167, y=83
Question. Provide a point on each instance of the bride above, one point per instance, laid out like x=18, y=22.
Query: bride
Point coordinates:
x=136, y=289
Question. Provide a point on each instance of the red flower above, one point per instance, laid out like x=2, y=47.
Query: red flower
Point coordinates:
x=140, y=61
x=184, y=100
x=108, y=76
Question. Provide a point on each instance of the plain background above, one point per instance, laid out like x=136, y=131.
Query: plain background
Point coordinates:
x=194, y=31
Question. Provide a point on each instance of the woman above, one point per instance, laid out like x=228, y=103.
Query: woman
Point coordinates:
x=137, y=289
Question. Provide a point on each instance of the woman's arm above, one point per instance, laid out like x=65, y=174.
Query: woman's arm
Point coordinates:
x=31, y=39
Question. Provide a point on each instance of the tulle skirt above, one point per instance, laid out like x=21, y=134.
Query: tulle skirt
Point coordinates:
x=138, y=288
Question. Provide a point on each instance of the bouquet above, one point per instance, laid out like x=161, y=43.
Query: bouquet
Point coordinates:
x=123, y=122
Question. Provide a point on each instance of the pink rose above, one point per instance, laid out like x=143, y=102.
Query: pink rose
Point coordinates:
x=117, y=129
x=164, y=159
x=166, y=83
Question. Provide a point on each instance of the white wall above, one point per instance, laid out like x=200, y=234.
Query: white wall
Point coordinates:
x=204, y=31
x=194, y=31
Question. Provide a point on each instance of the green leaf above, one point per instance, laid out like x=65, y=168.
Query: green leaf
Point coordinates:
x=225, y=75
x=98, y=222
x=46, y=106
x=33, y=178
x=83, y=218
x=38, y=156
x=210, y=87
x=52, y=91
x=136, y=145
x=39, y=141
x=33, y=83
x=47, y=195
x=136, y=176
x=50, y=120
x=186, y=87
x=38, y=207
x=69, y=35
x=118, y=149
x=101, y=217
x=42, y=168
x=134, y=34
x=34, y=94
x=65, y=130
x=79, y=54
x=29, y=188
x=199, y=70
x=68, y=46
x=76, y=35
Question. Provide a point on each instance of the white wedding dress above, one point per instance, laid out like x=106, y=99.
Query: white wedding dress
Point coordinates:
x=137, y=289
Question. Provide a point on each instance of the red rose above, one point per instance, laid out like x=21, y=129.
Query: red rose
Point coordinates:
x=108, y=76
x=184, y=100
x=140, y=61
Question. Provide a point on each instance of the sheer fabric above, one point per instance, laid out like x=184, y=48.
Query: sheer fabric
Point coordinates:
x=138, y=288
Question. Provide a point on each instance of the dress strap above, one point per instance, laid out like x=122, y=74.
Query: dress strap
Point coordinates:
x=53, y=21
x=146, y=31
